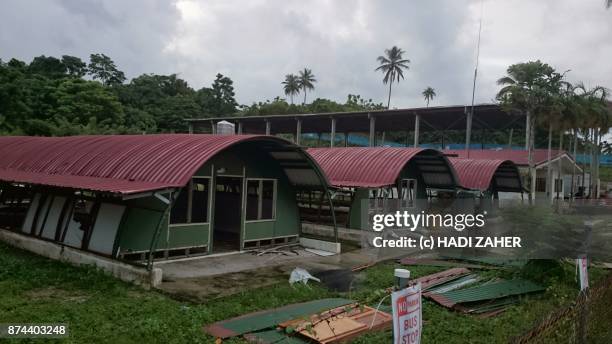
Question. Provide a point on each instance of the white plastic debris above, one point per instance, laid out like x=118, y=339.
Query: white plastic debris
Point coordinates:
x=301, y=275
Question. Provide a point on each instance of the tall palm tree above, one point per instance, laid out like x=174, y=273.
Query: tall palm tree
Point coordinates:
x=306, y=81
x=526, y=89
x=429, y=94
x=596, y=120
x=392, y=65
x=291, y=85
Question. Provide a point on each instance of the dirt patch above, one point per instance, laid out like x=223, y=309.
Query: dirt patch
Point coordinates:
x=53, y=293
x=201, y=289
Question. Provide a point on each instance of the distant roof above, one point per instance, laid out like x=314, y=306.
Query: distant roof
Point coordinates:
x=486, y=116
x=519, y=157
x=484, y=174
x=128, y=164
x=381, y=166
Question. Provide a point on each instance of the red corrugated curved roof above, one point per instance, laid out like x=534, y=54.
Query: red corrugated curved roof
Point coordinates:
x=478, y=174
x=113, y=163
x=519, y=157
x=366, y=166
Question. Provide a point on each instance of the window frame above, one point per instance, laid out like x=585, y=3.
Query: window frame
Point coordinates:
x=189, y=188
x=260, y=199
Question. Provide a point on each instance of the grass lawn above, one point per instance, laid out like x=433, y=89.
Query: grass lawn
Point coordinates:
x=101, y=309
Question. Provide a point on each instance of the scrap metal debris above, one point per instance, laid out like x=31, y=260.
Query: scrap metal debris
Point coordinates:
x=339, y=324
x=268, y=319
x=443, y=263
x=487, y=299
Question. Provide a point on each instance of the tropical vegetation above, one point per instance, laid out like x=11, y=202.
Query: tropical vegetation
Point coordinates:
x=538, y=91
x=429, y=94
x=392, y=65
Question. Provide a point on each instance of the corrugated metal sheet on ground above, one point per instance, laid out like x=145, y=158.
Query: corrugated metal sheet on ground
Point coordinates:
x=441, y=277
x=270, y=318
x=441, y=263
x=455, y=284
x=272, y=337
x=495, y=290
x=340, y=324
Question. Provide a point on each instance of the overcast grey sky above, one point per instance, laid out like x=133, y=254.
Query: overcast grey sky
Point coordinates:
x=257, y=42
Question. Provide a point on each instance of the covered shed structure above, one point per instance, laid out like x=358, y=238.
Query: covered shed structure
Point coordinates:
x=562, y=167
x=376, y=176
x=490, y=177
x=488, y=180
x=145, y=197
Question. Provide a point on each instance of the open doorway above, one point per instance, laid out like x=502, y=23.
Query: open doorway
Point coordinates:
x=228, y=204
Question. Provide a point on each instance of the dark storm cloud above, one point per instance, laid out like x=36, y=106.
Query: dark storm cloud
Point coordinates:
x=257, y=42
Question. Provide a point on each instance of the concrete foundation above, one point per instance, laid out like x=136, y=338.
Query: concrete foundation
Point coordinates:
x=328, y=246
x=129, y=273
x=347, y=234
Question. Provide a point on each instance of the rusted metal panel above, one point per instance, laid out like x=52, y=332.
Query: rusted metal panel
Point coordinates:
x=373, y=167
x=490, y=291
x=120, y=163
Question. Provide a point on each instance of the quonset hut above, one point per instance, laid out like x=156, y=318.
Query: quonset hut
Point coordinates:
x=370, y=177
x=489, y=177
x=144, y=197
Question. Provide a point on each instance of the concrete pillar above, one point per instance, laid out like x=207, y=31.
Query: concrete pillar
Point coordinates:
x=191, y=127
x=332, y=133
x=239, y=128
x=268, y=127
x=372, y=141
x=527, y=130
x=213, y=128
x=346, y=139
x=298, y=131
x=510, y=138
x=417, y=125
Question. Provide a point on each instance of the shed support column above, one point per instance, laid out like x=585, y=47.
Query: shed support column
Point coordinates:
x=527, y=129
x=298, y=131
x=268, y=127
x=372, y=141
x=191, y=127
x=417, y=127
x=346, y=139
x=510, y=138
x=468, y=130
x=213, y=128
x=332, y=134
x=239, y=128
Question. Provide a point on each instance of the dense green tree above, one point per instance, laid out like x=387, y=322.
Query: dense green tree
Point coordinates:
x=392, y=65
x=48, y=66
x=75, y=67
x=306, y=81
x=222, y=102
x=102, y=67
x=79, y=100
x=170, y=115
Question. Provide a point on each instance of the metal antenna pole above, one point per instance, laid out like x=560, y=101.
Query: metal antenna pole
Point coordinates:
x=471, y=115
